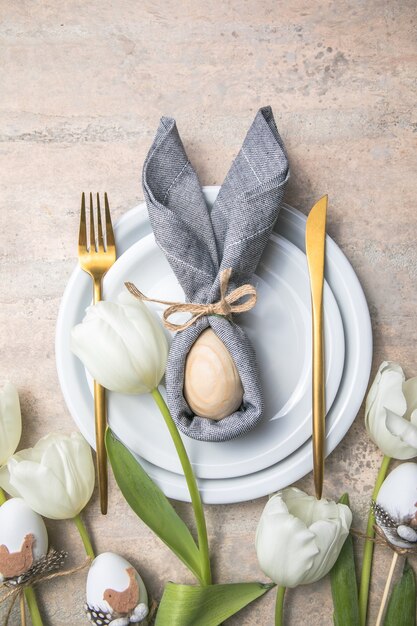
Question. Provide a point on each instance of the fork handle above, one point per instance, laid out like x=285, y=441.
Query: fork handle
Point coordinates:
x=100, y=414
x=97, y=290
x=101, y=455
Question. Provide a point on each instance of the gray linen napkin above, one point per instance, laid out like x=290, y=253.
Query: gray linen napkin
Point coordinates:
x=199, y=245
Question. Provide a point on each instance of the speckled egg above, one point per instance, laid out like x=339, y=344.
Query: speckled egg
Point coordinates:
x=114, y=587
x=396, y=506
x=398, y=493
x=23, y=538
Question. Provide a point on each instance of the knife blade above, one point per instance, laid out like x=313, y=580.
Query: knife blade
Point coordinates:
x=315, y=251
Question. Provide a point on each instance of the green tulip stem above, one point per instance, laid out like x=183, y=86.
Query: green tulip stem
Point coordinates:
x=35, y=616
x=368, y=550
x=85, y=537
x=279, y=606
x=192, y=487
x=2, y=496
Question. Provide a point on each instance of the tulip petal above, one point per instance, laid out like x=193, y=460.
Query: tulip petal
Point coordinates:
x=40, y=489
x=299, y=537
x=330, y=537
x=308, y=508
x=122, y=344
x=285, y=547
x=73, y=467
x=404, y=430
x=55, y=477
x=410, y=394
x=10, y=422
x=104, y=355
x=330, y=523
x=35, y=454
x=384, y=399
x=142, y=335
x=154, y=339
x=300, y=504
x=326, y=535
x=5, y=482
x=386, y=390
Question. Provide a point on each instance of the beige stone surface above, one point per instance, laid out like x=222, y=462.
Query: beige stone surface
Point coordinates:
x=82, y=87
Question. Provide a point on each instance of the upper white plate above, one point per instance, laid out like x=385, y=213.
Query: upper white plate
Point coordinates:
x=280, y=330
x=358, y=352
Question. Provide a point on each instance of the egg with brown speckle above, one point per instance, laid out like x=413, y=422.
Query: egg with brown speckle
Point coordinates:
x=23, y=538
x=115, y=592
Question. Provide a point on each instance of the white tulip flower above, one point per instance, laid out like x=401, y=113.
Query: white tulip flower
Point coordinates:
x=122, y=344
x=396, y=506
x=299, y=538
x=10, y=422
x=391, y=412
x=55, y=477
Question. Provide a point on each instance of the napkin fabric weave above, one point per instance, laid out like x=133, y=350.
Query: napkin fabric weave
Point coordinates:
x=199, y=244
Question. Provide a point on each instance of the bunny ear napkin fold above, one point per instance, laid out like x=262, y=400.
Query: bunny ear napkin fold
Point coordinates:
x=200, y=245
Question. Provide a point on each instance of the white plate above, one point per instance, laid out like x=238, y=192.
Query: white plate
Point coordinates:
x=358, y=343
x=280, y=330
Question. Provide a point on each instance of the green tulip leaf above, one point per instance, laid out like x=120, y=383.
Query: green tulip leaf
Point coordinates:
x=344, y=585
x=186, y=605
x=401, y=610
x=151, y=505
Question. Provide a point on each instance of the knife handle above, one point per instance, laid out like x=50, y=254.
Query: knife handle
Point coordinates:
x=319, y=401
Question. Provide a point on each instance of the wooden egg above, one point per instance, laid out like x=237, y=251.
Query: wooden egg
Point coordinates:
x=212, y=385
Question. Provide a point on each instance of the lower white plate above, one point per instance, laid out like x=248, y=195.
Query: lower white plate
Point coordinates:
x=355, y=316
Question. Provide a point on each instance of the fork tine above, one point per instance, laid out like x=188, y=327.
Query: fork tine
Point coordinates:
x=82, y=236
x=109, y=227
x=99, y=227
x=92, y=231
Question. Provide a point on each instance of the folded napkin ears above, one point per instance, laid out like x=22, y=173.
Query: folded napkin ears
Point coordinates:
x=200, y=244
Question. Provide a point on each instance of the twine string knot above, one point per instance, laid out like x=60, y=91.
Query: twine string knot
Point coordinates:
x=228, y=303
x=39, y=573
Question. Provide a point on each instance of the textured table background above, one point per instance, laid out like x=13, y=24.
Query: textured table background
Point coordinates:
x=82, y=88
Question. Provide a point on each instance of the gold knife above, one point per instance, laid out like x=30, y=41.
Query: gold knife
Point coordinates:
x=315, y=251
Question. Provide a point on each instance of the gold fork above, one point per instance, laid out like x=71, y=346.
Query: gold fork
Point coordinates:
x=95, y=259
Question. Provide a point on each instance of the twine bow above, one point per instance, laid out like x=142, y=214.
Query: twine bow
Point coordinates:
x=12, y=590
x=228, y=303
x=381, y=540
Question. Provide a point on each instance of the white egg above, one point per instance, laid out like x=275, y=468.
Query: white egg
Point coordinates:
x=17, y=522
x=398, y=493
x=110, y=571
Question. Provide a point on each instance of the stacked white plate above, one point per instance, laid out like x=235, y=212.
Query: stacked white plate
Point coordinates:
x=278, y=451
